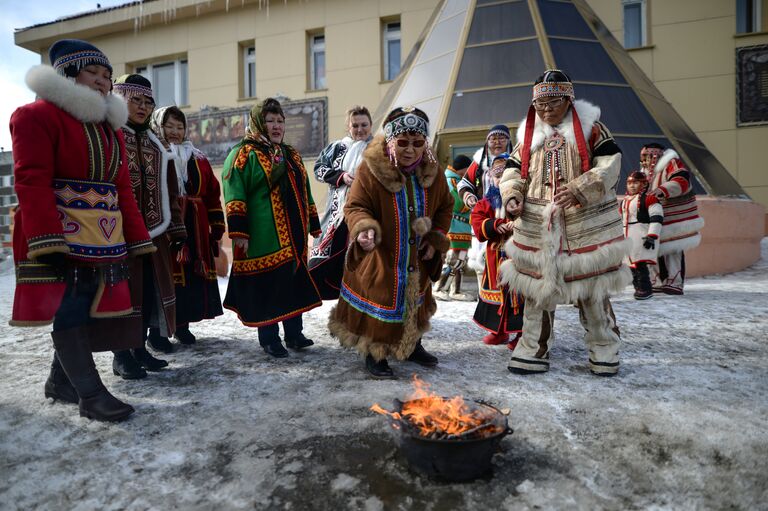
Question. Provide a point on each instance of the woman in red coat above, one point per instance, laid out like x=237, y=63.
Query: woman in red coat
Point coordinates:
x=77, y=222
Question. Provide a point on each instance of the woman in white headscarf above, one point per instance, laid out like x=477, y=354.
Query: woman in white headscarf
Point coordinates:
x=194, y=267
x=336, y=166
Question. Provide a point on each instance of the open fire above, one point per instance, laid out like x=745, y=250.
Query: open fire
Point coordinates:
x=447, y=438
x=440, y=418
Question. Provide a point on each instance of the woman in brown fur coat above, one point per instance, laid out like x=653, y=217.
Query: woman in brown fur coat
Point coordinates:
x=398, y=211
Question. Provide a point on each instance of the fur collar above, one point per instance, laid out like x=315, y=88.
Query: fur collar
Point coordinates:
x=392, y=179
x=80, y=102
x=666, y=157
x=588, y=115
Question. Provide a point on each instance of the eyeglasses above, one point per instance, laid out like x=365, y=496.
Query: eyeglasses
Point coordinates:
x=401, y=142
x=498, y=138
x=147, y=103
x=543, y=105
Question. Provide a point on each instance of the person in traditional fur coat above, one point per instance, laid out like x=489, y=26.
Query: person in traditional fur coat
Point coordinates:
x=270, y=214
x=670, y=181
x=77, y=223
x=336, y=166
x=194, y=265
x=460, y=236
x=641, y=215
x=568, y=245
x=499, y=310
x=398, y=212
x=155, y=188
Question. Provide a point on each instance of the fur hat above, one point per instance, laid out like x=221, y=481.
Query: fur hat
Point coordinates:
x=69, y=56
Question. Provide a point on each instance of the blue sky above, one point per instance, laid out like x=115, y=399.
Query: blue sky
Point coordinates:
x=16, y=61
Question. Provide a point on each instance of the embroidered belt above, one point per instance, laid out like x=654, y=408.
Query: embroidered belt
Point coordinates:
x=91, y=219
x=461, y=218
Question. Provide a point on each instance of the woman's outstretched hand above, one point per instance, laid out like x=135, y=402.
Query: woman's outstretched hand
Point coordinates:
x=367, y=240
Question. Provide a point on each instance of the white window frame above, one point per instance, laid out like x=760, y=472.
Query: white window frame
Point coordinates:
x=316, y=47
x=249, y=58
x=643, y=21
x=386, y=37
x=146, y=70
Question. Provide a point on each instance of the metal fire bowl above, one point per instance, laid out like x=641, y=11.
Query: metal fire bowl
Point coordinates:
x=455, y=459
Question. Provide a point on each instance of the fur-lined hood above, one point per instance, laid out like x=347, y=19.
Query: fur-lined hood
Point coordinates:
x=392, y=179
x=588, y=115
x=80, y=102
x=667, y=156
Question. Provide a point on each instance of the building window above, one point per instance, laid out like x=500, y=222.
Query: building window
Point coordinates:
x=634, y=23
x=391, y=49
x=170, y=84
x=317, y=61
x=751, y=16
x=249, y=72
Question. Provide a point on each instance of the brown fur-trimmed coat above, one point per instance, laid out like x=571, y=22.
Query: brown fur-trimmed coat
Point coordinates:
x=386, y=300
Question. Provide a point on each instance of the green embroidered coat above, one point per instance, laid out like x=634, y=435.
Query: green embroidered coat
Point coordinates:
x=269, y=203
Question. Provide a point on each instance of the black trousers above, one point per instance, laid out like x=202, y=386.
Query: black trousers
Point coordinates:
x=270, y=334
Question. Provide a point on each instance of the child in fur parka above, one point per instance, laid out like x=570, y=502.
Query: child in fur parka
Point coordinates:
x=642, y=216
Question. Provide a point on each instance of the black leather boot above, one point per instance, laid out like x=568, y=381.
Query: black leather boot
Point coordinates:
x=74, y=353
x=380, y=369
x=422, y=357
x=276, y=349
x=643, y=289
x=158, y=342
x=184, y=336
x=147, y=361
x=127, y=367
x=58, y=386
x=298, y=342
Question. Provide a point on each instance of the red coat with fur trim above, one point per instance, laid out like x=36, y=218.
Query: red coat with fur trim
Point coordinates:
x=57, y=139
x=682, y=223
x=386, y=299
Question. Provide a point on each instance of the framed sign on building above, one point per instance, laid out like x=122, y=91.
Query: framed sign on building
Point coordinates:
x=216, y=131
x=752, y=85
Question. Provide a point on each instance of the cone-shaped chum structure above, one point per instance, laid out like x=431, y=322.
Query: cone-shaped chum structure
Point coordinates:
x=475, y=62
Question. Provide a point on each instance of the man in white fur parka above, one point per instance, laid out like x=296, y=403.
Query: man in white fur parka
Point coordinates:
x=568, y=246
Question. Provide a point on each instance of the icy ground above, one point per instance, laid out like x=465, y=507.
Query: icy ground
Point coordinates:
x=225, y=427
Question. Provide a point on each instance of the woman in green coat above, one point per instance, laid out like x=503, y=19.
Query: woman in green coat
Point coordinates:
x=270, y=213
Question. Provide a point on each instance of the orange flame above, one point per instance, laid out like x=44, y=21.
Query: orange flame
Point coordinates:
x=434, y=415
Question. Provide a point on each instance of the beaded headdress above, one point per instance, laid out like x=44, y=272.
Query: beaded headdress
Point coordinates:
x=407, y=119
x=409, y=122
x=553, y=83
x=129, y=86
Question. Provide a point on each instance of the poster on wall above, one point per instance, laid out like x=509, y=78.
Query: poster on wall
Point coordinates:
x=752, y=85
x=215, y=131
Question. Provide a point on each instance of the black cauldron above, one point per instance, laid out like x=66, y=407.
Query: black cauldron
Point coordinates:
x=457, y=459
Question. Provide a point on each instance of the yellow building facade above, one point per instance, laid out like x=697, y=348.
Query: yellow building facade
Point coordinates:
x=230, y=53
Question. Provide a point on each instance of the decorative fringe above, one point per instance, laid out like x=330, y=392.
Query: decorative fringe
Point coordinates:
x=402, y=348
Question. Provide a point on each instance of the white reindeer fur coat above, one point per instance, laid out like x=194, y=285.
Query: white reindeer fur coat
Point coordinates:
x=561, y=255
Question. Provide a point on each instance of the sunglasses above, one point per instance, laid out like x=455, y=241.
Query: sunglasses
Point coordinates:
x=405, y=143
